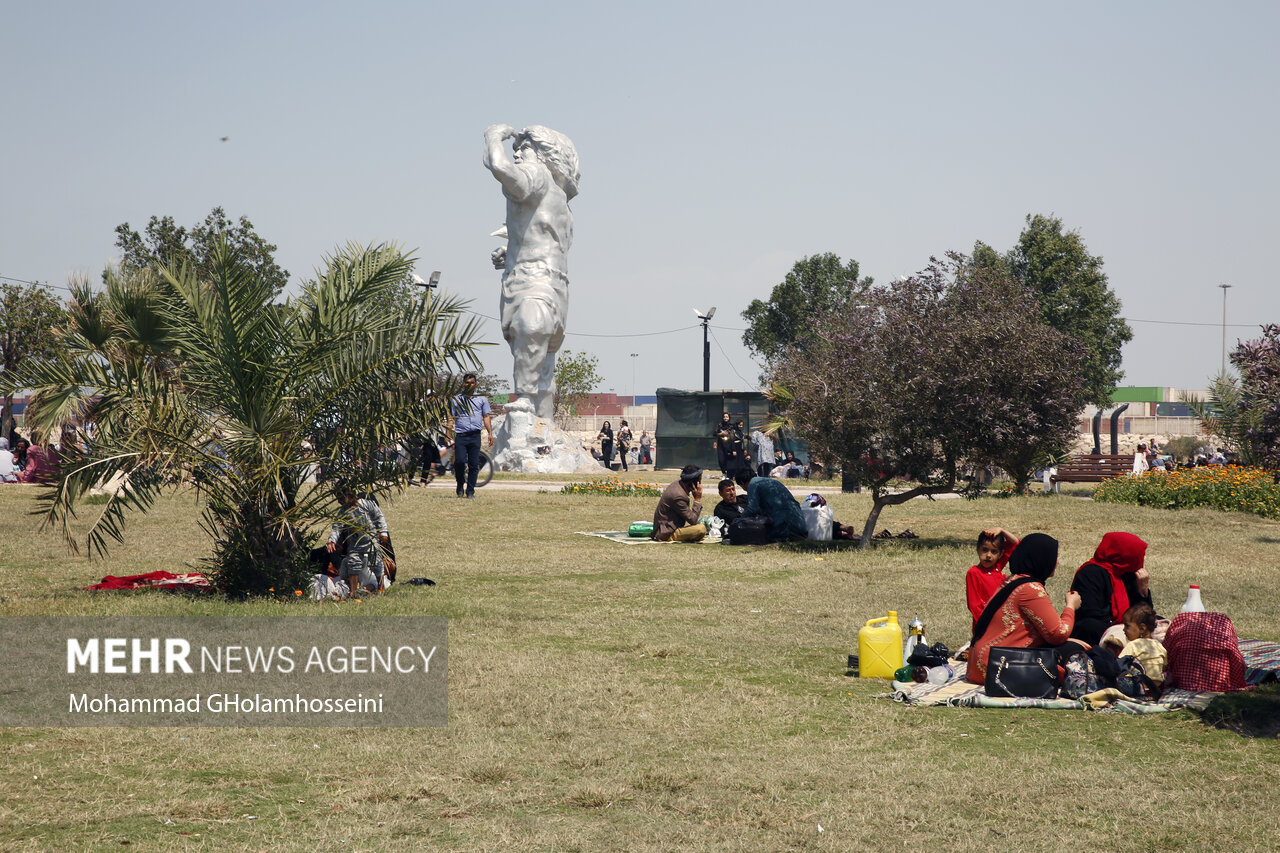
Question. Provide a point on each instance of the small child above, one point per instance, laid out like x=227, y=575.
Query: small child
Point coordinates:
x=994, y=547
x=1139, y=623
x=361, y=564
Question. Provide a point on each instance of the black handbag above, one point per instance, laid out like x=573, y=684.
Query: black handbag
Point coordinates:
x=1022, y=673
x=749, y=530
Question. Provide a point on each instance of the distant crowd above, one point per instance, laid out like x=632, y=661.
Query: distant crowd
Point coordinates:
x=21, y=461
x=1149, y=458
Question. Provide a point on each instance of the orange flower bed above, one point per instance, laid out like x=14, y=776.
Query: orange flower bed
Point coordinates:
x=1224, y=487
x=614, y=487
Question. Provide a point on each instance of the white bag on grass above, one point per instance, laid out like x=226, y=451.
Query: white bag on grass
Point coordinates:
x=817, y=522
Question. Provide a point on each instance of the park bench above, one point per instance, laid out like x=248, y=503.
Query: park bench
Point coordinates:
x=1093, y=468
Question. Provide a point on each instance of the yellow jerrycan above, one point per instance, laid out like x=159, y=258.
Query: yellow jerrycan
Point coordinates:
x=880, y=647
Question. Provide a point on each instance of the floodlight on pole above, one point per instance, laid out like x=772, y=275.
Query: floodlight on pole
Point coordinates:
x=1225, y=288
x=706, y=346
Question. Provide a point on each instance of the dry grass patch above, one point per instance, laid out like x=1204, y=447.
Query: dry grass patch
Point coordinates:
x=652, y=698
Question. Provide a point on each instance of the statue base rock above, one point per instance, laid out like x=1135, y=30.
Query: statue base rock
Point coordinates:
x=525, y=443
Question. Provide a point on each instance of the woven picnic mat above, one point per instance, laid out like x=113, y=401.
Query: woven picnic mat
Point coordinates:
x=1261, y=659
x=623, y=538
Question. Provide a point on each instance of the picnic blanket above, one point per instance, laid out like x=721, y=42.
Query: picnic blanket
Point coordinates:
x=623, y=538
x=188, y=582
x=1261, y=659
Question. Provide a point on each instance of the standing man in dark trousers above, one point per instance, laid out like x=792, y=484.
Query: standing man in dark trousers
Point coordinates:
x=470, y=413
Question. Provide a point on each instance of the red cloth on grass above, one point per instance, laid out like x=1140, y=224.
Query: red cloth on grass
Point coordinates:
x=193, y=581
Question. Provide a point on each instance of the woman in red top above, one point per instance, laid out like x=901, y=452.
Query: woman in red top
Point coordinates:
x=1026, y=618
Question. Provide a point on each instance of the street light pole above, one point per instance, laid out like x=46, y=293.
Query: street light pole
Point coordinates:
x=1224, y=287
x=706, y=346
x=427, y=285
x=634, y=356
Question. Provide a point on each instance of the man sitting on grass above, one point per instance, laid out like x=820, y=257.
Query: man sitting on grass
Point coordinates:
x=676, y=516
x=362, y=519
x=729, y=509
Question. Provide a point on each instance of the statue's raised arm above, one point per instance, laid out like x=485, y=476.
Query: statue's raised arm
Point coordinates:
x=513, y=179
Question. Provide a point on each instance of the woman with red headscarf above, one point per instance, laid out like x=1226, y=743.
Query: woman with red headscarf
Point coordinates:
x=1109, y=584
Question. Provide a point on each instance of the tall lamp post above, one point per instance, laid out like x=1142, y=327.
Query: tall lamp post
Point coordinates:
x=1224, y=287
x=706, y=346
x=634, y=356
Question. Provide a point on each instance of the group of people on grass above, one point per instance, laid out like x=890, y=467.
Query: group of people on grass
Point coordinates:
x=1149, y=458
x=625, y=444
x=24, y=462
x=1108, y=605
x=678, y=515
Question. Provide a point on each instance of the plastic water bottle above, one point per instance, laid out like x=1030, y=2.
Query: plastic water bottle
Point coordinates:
x=1193, y=603
x=915, y=638
x=940, y=674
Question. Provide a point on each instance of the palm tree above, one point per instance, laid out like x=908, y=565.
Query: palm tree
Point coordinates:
x=1224, y=414
x=213, y=384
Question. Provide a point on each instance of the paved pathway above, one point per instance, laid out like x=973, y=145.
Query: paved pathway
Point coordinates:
x=799, y=488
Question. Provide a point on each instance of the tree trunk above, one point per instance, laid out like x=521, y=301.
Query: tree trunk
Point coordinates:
x=869, y=528
x=880, y=499
x=849, y=479
x=6, y=420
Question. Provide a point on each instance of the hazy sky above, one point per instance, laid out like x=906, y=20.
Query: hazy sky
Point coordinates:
x=718, y=146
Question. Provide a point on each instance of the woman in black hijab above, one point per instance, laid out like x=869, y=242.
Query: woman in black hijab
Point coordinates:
x=1019, y=615
x=1036, y=557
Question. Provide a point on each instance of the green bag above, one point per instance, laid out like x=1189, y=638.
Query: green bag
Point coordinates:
x=640, y=528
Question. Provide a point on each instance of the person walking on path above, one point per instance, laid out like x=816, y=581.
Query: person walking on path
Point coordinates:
x=470, y=413
x=624, y=443
x=606, y=445
x=646, y=448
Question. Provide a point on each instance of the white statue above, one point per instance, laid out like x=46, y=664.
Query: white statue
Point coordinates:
x=538, y=180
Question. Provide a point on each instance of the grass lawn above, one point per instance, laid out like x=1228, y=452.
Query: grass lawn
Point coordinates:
x=665, y=697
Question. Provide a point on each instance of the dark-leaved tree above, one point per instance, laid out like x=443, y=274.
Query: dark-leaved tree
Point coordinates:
x=1258, y=361
x=934, y=375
